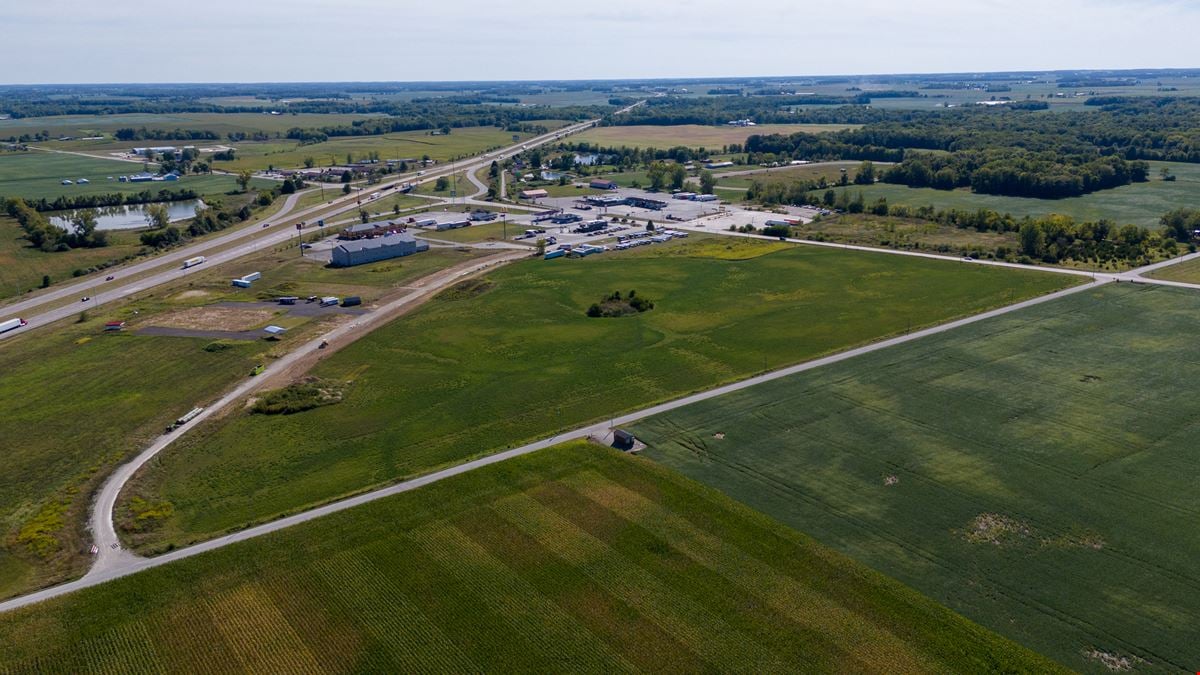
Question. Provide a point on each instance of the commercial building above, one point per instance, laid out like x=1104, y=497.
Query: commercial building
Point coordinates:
x=606, y=200
x=534, y=194
x=365, y=251
x=602, y=184
x=646, y=203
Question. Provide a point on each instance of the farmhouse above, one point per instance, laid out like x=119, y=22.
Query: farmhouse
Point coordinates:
x=602, y=184
x=534, y=194
x=371, y=250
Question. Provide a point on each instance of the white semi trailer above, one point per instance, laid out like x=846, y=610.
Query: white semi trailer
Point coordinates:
x=11, y=324
x=192, y=262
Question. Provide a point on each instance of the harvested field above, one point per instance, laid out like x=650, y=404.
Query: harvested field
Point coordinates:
x=222, y=318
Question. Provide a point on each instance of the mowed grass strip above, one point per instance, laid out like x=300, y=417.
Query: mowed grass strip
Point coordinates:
x=522, y=566
x=1035, y=471
x=514, y=358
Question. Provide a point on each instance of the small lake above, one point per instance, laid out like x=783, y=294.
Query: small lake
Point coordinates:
x=128, y=217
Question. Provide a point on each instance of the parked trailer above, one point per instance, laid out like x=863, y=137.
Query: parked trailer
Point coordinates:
x=329, y=301
x=352, y=301
x=241, y=283
x=288, y=300
x=12, y=324
x=550, y=255
x=192, y=262
x=253, y=276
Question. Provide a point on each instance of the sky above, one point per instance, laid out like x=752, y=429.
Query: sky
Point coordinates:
x=78, y=41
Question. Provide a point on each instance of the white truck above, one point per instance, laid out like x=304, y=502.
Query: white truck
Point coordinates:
x=192, y=262
x=11, y=324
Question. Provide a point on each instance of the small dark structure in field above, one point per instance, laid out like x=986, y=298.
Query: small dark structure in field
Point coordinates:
x=614, y=305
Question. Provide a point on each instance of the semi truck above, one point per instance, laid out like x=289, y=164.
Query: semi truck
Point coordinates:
x=11, y=324
x=184, y=419
x=192, y=262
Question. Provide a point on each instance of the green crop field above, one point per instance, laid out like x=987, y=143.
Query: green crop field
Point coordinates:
x=34, y=175
x=284, y=153
x=1140, y=203
x=693, y=135
x=515, y=358
x=831, y=171
x=1035, y=472
x=78, y=400
x=575, y=559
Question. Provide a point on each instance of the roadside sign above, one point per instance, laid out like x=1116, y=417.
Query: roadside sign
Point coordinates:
x=452, y=193
x=299, y=226
x=321, y=223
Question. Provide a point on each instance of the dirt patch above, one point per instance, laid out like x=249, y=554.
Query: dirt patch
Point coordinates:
x=214, y=318
x=720, y=435
x=891, y=480
x=1114, y=662
x=997, y=529
x=188, y=295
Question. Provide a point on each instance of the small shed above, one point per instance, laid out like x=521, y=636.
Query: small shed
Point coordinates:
x=623, y=439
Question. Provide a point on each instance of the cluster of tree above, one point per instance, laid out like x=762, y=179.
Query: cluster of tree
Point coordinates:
x=613, y=305
x=131, y=134
x=1181, y=224
x=209, y=218
x=81, y=231
x=1016, y=172
x=69, y=202
x=662, y=174
x=672, y=110
x=1053, y=238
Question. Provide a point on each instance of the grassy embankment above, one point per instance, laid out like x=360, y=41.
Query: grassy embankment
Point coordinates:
x=573, y=559
x=515, y=358
x=1035, y=472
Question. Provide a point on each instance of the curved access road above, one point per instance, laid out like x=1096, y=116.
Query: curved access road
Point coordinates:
x=115, y=563
x=110, y=556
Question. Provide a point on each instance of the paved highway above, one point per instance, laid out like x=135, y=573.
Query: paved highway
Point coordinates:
x=252, y=238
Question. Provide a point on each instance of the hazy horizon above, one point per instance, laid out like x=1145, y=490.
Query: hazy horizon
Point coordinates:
x=373, y=41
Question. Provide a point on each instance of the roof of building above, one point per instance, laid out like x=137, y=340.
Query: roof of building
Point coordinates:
x=275, y=330
x=378, y=242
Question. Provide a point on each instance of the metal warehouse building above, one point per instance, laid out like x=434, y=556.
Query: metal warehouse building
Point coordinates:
x=372, y=250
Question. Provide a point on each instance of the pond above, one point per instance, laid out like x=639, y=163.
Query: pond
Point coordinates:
x=128, y=216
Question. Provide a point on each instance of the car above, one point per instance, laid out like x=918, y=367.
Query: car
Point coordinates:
x=85, y=298
x=967, y=258
x=266, y=224
x=306, y=246
x=109, y=278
